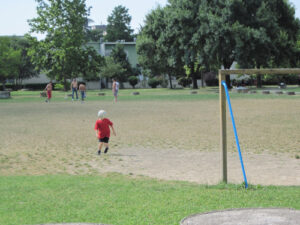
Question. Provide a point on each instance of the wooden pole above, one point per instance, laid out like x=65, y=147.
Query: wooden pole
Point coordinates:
x=222, y=74
x=223, y=140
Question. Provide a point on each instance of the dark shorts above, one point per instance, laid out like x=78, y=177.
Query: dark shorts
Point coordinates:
x=105, y=139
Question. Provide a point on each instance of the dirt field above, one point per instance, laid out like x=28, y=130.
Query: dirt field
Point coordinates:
x=176, y=140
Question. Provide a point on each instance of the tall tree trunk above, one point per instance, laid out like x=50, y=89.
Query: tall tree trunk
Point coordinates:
x=170, y=80
x=202, y=78
x=65, y=84
x=259, y=81
x=194, y=77
x=258, y=77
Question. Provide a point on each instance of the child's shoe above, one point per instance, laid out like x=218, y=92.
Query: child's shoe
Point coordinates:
x=99, y=152
x=106, y=150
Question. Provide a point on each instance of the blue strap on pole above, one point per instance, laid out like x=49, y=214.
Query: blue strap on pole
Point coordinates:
x=235, y=132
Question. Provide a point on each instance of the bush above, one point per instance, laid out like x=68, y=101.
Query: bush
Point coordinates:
x=163, y=82
x=211, y=79
x=133, y=80
x=153, y=82
x=59, y=87
x=275, y=80
x=185, y=81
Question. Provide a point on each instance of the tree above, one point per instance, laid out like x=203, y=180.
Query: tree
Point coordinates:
x=119, y=56
x=268, y=39
x=133, y=80
x=157, y=45
x=118, y=25
x=61, y=53
x=94, y=35
x=10, y=59
x=255, y=33
x=91, y=64
x=26, y=69
x=112, y=69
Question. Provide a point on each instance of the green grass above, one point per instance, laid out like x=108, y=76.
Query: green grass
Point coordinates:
x=121, y=200
x=207, y=93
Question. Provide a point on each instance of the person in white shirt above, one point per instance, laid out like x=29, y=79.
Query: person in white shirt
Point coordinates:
x=115, y=89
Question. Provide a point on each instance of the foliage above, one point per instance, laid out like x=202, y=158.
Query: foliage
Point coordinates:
x=203, y=35
x=112, y=69
x=118, y=25
x=287, y=79
x=10, y=59
x=157, y=45
x=94, y=35
x=153, y=82
x=133, y=80
x=91, y=64
x=185, y=81
x=26, y=68
x=59, y=87
x=119, y=56
x=162, y=81
x=211, y=79
x=61, y=54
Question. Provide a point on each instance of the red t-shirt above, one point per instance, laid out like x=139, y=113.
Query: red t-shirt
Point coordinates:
x=103, y=127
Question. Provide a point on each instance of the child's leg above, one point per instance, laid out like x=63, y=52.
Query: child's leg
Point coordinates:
x=100, y=147
x=106, y=147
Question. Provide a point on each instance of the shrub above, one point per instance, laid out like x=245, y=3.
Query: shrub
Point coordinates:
x=163, y=82
x=274, y=80
x=185, y=81
x=211, y=79
x=153, y=82
x=59, y=87
x=133, y=80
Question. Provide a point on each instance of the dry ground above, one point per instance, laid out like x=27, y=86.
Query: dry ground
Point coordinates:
x=176, y=140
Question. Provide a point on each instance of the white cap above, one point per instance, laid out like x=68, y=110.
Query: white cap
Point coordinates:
x=101, y=113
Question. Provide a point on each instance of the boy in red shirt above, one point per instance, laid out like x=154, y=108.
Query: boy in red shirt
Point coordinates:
x=102, y=128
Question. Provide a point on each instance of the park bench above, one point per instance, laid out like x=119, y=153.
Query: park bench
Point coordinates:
x=4, y=94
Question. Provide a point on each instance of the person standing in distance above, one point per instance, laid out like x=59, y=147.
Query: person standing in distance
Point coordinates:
x=74, y=86
x=48, y=88
x=82, y=90
x=115, y=89
x=102, y=128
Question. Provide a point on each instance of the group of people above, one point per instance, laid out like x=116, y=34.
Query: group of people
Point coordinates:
x=74, y=88
x=82, y=89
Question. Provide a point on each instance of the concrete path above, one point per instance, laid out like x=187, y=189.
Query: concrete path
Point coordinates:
x=255, y=216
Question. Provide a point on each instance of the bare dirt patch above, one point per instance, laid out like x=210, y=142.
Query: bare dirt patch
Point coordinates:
x=176, y=140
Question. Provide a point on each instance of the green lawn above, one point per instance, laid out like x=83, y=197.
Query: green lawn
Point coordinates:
x=148, y=94
x=121, y=200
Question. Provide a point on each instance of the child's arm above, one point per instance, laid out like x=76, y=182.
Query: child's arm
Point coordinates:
x=97, y=133
x=113, y=130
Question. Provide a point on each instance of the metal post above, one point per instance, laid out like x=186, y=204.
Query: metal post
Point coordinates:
x=223, y=141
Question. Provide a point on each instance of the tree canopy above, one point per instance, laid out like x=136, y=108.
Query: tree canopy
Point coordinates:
x=10, y=60
x=118, y=26
x=63, y=52
x=205, y=34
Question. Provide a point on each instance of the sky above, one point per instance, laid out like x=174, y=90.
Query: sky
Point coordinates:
x=15, y=13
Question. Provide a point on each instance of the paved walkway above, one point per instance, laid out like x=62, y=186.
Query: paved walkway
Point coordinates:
x=255, y=216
